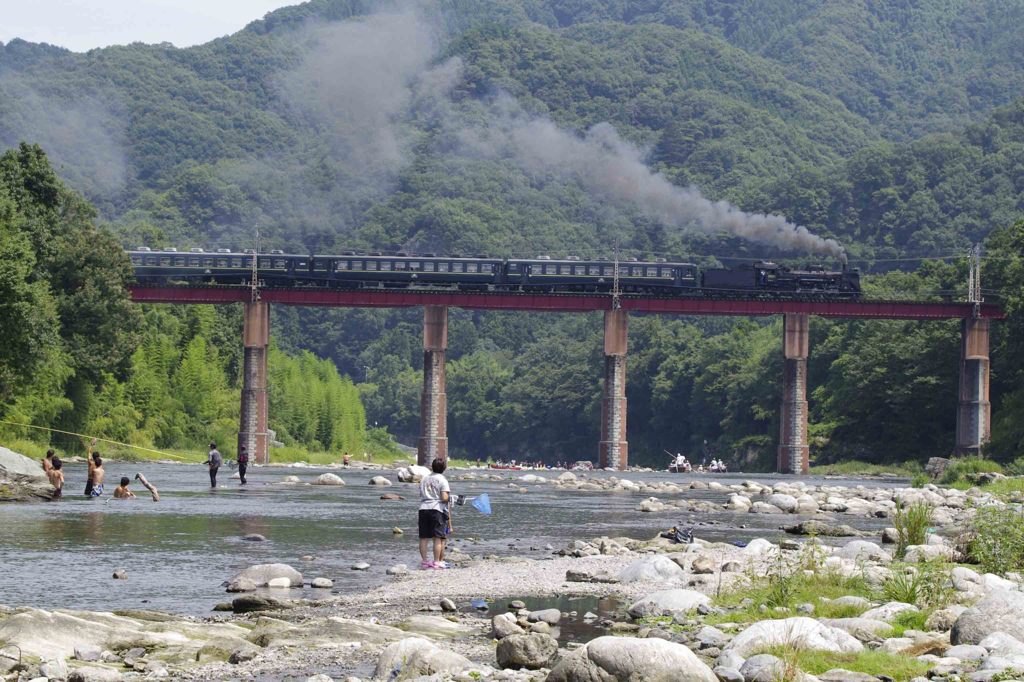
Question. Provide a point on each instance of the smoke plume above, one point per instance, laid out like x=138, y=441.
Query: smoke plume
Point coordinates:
x=612, y=168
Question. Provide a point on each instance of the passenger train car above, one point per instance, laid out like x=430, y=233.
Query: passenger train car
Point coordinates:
x=482, y=273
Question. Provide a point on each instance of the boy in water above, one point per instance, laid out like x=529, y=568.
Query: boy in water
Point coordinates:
x=56, y=476
x=48, y=462
x=435, y=494
x=121, y=492
x=94, y=484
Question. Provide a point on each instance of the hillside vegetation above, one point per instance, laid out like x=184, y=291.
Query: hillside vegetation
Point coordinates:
x=334, y=124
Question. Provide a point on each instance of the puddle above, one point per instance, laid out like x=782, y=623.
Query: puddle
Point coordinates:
x=573, y=628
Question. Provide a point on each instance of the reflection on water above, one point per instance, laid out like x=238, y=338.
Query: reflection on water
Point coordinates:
x=575, y=625
x=178, y=552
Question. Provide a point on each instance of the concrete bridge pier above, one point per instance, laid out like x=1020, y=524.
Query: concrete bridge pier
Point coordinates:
x=974, y=413
x=793, y=455
x=252, y=430
x=433, y=442
x=613, y=450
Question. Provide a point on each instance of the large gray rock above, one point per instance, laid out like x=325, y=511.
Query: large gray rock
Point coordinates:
x=94, y=674
x=328, y=479
x=22, y=479
x=763, y=668
x=549, y=616
x=786, y=503
x=656, y=568
x=626, y=659
x=862, y=550
x=261, y=574
x=503, y=625
x=412, y=474
x=805, y=633
x=324, y=633
x=414, y=657
x=999, y=611
x=434, y=627
x=533, y=651
x=668, y=602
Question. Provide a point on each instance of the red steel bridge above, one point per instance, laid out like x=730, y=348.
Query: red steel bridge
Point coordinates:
x=973, y=413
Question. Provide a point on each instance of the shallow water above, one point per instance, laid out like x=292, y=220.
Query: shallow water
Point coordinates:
x=178, y=552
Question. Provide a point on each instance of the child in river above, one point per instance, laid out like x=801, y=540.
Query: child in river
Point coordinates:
x=121, y=492
x=56, y=476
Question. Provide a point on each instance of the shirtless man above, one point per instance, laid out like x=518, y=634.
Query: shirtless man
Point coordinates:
x=94, y=486
x=121, y=492
x=48, y=462
x=56, y=476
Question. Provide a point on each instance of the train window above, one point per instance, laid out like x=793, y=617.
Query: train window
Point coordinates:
x=594, y=269
x=487, y=267
x=385, y=265
x=652, y=272
x=442, y=267
x=471, y=267
x=400, y=265
x=371, y=265
x=428, y=266
x=513, y=267
x=355, y=265
x=565, y=269
x=320, y=265
x=165, y=260
x=414, y=265
x=340, y=266
x=264, y=263
x=236, y=262
x=458, y=267
x=193, y=262
x=608, y=271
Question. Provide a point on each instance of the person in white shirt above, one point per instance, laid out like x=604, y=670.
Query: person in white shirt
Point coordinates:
x=435, y=495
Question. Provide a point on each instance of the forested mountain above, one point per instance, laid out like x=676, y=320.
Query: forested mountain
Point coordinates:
x=891, y=126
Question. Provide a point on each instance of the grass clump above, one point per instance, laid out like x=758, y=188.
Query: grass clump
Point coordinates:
x=909, y=620
x=995, y=540
x=912, y=523
x=926, y=585
x=871, y=662
x=961, y=472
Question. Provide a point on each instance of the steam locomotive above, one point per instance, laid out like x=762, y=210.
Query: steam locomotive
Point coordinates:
x=481, y=273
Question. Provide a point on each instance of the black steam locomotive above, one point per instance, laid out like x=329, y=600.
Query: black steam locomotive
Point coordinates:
x=515, y=275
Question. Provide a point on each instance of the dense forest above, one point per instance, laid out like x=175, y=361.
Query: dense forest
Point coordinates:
x=890, y=126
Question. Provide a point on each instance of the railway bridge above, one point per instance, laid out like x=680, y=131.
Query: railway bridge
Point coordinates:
x=973, y=412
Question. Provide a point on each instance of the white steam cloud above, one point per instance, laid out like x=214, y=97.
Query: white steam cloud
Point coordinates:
x=612, y=168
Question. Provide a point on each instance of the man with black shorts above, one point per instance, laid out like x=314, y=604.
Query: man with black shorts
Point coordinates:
x=433, y=515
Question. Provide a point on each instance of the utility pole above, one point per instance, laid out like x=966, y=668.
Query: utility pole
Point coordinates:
x=974, y=279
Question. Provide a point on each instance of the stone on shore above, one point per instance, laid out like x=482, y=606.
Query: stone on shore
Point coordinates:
x=503, y=625
x=94, y=673
x=398, y=569
x=415, y=657
x=628, y=659
x=532, y=652
x=22, y=479
x=999, y=611
x=251, y=603
x=806, y=633
x=549, y=616
x=668, y=602
x=328, y=479
x=261, y=574
x=241, y=585
x=322, y=583
x=657, y=568
x=434, y=627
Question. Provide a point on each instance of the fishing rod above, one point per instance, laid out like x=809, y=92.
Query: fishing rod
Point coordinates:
x=95, y=438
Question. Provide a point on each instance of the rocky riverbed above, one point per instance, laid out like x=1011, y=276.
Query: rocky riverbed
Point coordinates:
x=813, y=600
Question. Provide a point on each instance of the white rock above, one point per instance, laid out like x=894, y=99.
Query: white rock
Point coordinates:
x=888, y=612
x=328, y=479
x=759, y=547
x=655, y=568
x=380, y=480
x=786, y=503
x=626, y=658
x=803, y=632
x=279, y=582
x=668, y=602
x=262, y=574
x=414, y=657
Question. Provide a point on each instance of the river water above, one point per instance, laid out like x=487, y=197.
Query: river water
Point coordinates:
x=178, y=552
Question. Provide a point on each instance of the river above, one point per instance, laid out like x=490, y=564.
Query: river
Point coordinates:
x=178, y=552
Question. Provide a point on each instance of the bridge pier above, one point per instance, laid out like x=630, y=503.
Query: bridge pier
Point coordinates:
x=433, y=442
x=252, y=430
x=973, y=416
x=793, y=457
x=613, y=450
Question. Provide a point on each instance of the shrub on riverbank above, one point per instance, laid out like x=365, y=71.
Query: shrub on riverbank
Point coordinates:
x=995, y=540
x=962, y=471
x=897, y=667
x=911, y=522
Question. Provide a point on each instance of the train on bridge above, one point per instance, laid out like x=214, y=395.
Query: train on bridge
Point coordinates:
x=543, y=274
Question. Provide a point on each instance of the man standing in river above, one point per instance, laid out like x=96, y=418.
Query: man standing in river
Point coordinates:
x=433, y=514
x=213, y=461
x=243, y=462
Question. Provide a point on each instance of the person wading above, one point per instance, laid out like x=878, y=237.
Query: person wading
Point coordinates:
x=435, y=494
x=243, y=462
x=213, y=461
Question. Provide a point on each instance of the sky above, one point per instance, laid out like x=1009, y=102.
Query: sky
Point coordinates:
x=81, y=25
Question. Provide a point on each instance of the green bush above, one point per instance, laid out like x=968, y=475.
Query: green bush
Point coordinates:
x=961, y=470
x=912, y=523
x=995, y=540
x=926, y=585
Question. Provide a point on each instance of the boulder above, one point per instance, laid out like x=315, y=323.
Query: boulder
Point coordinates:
x=764, y=668
x=322, y=583
x=532, y=652
x=251, y=603
x=280, y=583
x=966, y=652
x=999, y=611
x=412, y=474
x=566, y=477
x=380, y=480
x=549, y=616
x=657, y=568
x=398, y=569
x=94, y=673
x=22, y=479
x=504, y=625
x=942, y=620
x=627, y=659
x=864, y=629
x=702, y=565
x=862, y=550
x=434, y=627
x=55, y=669
x=260, y=575
x=668, y=602
x=804, y=632
x=822, y=529
x=328, y=479
x=241, y=585
x=888, y=611
x=331, y=632
x=786, y=503
x=758, y=547
x=415, y=657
